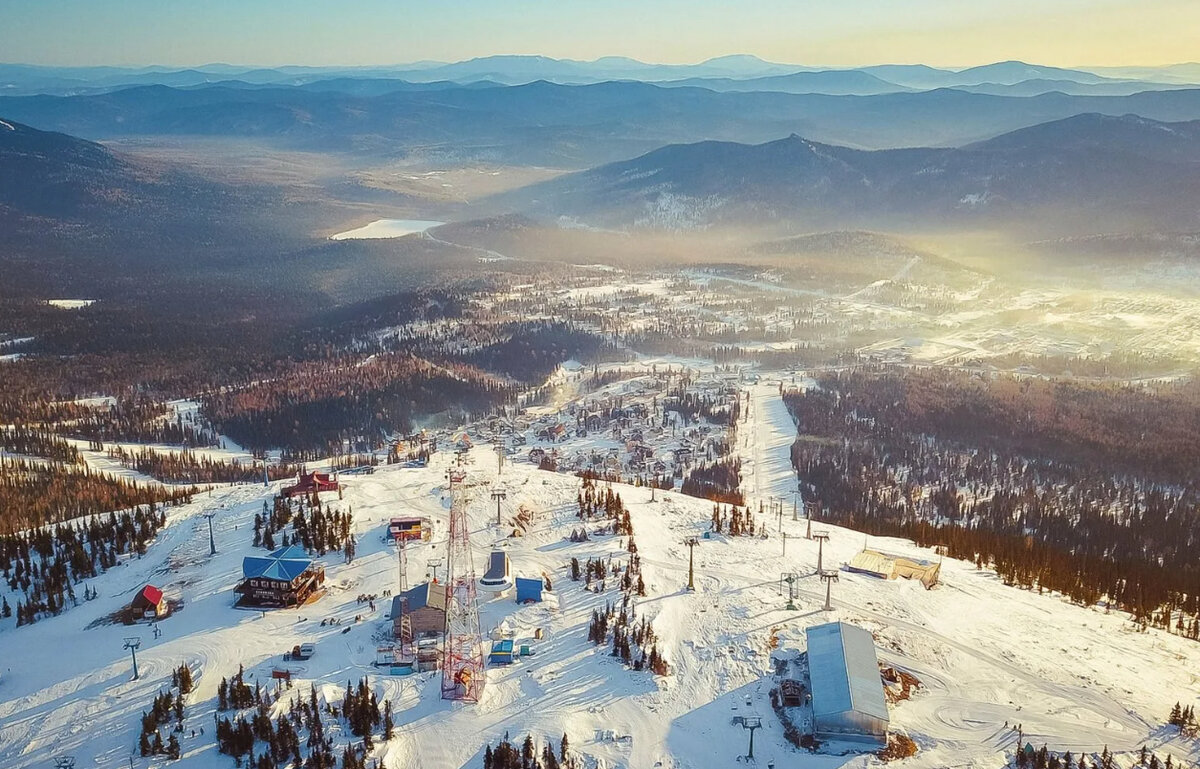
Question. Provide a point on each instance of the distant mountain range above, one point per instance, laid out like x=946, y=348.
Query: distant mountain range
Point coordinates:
x=754, y=74
x=559, y=125
x=1076, y=174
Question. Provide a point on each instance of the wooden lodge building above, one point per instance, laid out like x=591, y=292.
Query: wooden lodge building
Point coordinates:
x=287, y=577
x=310, y=483
x=425, y=607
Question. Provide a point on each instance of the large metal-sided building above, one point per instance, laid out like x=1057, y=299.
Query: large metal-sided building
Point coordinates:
x=847, y=692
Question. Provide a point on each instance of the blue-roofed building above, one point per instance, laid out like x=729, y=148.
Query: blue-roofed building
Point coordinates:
x=502, y=652
x=285, y=577
x=529, y=590
x=847, y=691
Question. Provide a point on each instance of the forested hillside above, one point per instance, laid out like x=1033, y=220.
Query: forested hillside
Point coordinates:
x=1085, y=489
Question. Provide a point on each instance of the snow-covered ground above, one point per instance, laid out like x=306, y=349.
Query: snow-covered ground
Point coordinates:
x=767, y=437
x=988, y=654
x=386, y=228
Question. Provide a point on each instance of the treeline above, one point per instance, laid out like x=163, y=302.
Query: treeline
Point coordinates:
x=316, y=528
x=38, y=443
x=318, y=407
x=806, y=355
x=1117, y=364
x=140, y=419
x=44, y=565
x=734, y=522
x=187, y=467
x=507, y=756
x=719, y=481
x=942, y=464
x=357, y=326
x=33, y=493
x=1143, y=430
x=302, y=737
x=692, y=406
x=597, y=503
x=1043, y=758
x=633, y=641
x=167, y=707
x=530, y=351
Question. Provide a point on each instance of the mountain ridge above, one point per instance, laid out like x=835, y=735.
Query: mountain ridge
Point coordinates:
x=1070, y=172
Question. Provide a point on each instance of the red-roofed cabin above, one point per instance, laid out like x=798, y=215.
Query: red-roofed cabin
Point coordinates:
x=309, y=483
x=149, y=603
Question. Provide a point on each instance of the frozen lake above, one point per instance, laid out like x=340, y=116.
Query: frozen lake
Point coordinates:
x=386, y=228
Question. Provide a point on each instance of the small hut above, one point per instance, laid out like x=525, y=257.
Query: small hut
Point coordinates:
x=502, y=652
x=529, y=590
x=149, y=603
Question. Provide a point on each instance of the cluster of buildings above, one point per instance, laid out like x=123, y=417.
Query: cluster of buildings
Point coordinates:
x=634, y=427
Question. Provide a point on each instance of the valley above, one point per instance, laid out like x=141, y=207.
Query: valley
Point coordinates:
x=652, y=368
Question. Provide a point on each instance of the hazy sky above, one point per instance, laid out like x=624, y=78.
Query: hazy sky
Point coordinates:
x=820, y=32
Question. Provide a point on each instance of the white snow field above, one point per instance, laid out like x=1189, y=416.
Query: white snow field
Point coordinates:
x=386, y=228
x=1075, y=678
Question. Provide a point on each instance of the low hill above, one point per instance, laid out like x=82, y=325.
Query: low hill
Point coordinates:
x=55, y=175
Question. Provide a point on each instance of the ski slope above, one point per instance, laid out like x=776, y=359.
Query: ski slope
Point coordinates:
x=768, y=433
x=990, y=656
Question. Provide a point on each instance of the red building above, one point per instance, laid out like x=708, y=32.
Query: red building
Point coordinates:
x=149, y=603
x=311, y=483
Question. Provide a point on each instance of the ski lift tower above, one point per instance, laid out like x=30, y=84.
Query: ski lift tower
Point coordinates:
x=829, y=577
x=821, y=537
x=406, y=633
x=462, y=653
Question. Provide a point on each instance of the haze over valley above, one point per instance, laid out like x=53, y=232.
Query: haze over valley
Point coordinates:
x=532, y=411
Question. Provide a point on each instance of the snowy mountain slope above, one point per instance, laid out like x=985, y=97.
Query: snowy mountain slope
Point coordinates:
x=988, y=654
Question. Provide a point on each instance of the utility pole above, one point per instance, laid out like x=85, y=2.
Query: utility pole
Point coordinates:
x=808, y=512
x=829, y=577
x=820, y=537
x=785, y=536
x=132, y=645
x=791, y=578
x=751, y=723
x=499, y=494
x=499, y=455
x=401, y=564
x=796, y=504
x=691, y=542
x=212, y=544
x=779, y=511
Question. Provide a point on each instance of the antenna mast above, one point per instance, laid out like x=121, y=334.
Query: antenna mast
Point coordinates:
x=462, y=655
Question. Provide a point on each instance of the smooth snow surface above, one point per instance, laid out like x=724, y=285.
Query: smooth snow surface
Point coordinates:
x=386, y=228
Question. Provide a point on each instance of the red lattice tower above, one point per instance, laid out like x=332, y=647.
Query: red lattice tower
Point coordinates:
x=462, y=654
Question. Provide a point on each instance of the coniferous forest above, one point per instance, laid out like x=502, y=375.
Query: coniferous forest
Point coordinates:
x=1085, y=489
